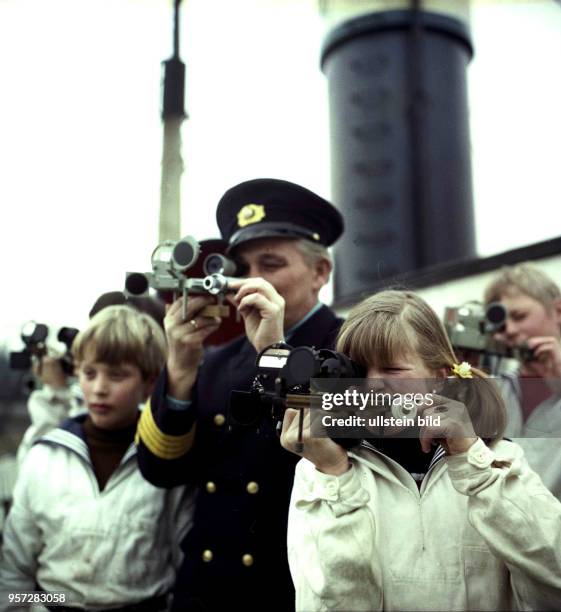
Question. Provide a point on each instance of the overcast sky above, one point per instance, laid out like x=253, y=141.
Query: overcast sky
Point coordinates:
x=81, y=134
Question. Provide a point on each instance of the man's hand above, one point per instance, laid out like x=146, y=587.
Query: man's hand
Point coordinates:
x=185, y=343
x=326, y=455
x=262, y=309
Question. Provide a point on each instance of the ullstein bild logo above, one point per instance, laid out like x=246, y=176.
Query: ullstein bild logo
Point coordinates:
x=379, y=421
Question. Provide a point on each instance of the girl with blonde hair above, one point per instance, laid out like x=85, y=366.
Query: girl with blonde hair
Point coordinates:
x=452, y=520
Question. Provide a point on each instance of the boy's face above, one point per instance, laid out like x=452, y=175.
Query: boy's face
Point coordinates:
x=527, y=318
x=112, y=393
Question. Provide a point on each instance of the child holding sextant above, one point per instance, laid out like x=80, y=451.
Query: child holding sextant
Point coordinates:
x=446, y=521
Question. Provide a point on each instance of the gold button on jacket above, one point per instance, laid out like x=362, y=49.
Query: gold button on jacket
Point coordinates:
x=219, y=419
x=247, y=560
x=252, y=487
x=207, y=555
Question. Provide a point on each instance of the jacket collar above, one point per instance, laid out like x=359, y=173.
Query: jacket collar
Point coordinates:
x=307, y=333
x=70, y=434
x=391, y=470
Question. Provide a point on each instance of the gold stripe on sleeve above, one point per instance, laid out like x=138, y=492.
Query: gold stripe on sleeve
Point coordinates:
x=158, y=443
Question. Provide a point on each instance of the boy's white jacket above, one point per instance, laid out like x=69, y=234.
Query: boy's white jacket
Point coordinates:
x=479, y=535
x=104, y=549
x=540, y=434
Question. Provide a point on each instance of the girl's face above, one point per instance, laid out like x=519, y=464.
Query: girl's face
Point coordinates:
x=408, y=366
x=406, y=376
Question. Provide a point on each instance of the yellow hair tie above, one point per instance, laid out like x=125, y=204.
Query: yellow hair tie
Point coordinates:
x=462, y=370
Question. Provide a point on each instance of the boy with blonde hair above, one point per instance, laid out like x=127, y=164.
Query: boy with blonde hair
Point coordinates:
x=84, y=521
x=58, y=397
x=533, y=304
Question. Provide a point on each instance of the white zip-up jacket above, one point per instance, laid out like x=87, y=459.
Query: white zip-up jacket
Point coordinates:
x=104, y=549
x=482, y=533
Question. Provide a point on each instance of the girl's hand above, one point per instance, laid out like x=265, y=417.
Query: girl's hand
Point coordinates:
x=451, y=426
x=326, y=455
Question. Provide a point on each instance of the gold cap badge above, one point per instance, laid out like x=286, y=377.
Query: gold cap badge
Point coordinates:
x=250, y=213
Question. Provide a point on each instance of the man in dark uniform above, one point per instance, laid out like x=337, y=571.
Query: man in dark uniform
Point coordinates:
x=235, y=554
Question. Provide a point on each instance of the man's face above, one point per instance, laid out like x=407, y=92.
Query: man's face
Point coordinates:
x=279, y=261
x=527, y=318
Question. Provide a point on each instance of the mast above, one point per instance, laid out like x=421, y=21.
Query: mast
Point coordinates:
x=173, y=114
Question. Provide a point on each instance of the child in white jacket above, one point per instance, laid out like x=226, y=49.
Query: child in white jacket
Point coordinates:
x=58, y=396
x=84, y=522
x=445, y=520
x=56, y=400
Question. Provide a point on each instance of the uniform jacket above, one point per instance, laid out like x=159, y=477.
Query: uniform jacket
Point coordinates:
x=237, y=547
x=478, y=535
x=104, y=549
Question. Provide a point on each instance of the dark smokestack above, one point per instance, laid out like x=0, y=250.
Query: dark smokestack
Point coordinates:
x=400, y=147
